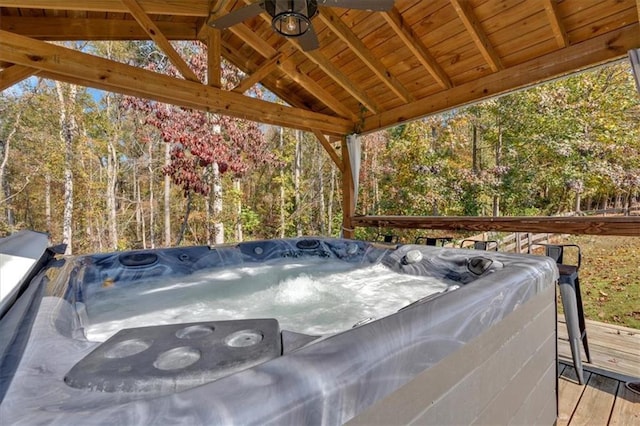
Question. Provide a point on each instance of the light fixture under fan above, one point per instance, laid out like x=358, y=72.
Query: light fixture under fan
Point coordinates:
x=292, y=18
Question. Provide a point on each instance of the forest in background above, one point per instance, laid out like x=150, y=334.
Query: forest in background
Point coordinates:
x=102, y=171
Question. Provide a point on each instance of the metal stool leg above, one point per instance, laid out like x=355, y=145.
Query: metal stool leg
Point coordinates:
x=583, y=328
x=570, y=306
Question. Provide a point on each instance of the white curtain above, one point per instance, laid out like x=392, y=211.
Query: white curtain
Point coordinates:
x=354, y=148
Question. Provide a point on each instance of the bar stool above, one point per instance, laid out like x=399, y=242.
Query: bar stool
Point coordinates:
x=433, y=241
x=482, y=244
x=569, y=283
x=387, y=238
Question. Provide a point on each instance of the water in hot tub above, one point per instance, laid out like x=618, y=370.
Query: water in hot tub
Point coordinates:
x=308, y=295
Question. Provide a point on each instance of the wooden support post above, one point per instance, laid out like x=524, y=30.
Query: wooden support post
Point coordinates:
x=348, y=205
x=213, y=58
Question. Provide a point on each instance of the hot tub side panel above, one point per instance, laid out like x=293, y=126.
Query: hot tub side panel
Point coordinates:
x=507, y=375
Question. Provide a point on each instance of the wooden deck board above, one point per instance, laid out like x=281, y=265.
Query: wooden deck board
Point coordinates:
x=626, y=410
x=596, y=401
x=613, y=348
x=604, y=398
x=570, y=392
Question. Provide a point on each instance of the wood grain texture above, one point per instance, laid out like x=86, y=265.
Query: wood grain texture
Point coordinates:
x=627, y=225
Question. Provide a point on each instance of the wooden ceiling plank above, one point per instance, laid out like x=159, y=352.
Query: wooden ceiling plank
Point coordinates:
x=64, y=28
x=290, y=68
x=471, y=23
x=214, y=57
x=14, y=74
x=551, y=7
x=264, y=70
x=601, y=49
x=339, y=77
x=122, y=78
x=332, y=20
x=330, y=150
x=159, y=7
x=394, y=19
x=331, y=70
x=156, y=35
x=232, y=55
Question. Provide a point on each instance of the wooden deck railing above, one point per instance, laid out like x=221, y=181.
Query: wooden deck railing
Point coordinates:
x=591, y=225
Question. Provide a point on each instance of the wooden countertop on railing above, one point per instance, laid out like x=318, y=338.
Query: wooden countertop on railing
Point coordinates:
x=592, y=225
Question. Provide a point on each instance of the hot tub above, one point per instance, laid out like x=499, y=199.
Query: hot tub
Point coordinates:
x=292, y=331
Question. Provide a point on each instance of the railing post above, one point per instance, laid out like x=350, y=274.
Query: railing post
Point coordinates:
x=518, y=243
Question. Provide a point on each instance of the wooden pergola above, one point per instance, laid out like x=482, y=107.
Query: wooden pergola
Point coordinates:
x=372, y=70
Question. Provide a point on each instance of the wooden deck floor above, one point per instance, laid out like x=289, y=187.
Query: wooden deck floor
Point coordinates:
x=604, y=398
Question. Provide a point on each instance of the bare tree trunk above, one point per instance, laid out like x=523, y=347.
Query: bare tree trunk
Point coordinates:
x=296, y=184
x=282, y=191
x=238, y=190
x=474, y=150
x=167, y=198
x=140, y=213
x=321, y=207
x=68, y=128
x=152, y=205
x=208, y=220
x=218, y=226
x=5, y=192
x=332, y=190
x=136, y=194
x=496, y=197
x=47, y=201
x=578, y=200
x=112, y=179
x=185, y=221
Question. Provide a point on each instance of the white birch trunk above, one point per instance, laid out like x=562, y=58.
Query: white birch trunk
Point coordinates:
x=167, y=198
x=238, y=190
x=296, y=183
x=282, y=191
x=332, y=189
x=112, y=179
x=67, y=131
x=218, y=226
x=152, y=205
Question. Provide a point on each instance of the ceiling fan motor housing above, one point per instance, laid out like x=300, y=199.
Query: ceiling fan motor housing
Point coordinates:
x=291, y=18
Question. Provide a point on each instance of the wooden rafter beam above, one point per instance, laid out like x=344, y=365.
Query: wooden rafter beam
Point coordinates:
x=63, y=28
x=101, y=73
x=333, y=21
x=247, y=66
x=156, y=7
x=591, y=225
x=14, y=74
x=598, y=50
x=326, y=144
x=338, y=76
x=551, y=7
x=331, y=70
x=465, y=13
x=290, y=68
x=264, y=70
x=394, y=20
x=161, y=41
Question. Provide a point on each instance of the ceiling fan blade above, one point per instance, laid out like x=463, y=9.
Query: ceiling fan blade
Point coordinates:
x=309, y=40
x=237, y=16
x=376, y=5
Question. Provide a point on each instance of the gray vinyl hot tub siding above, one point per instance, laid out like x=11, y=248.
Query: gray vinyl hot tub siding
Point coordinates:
x=507, y=375
x=484, y=353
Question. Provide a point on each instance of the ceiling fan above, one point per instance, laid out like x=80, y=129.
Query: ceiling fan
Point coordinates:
x=292, y=18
